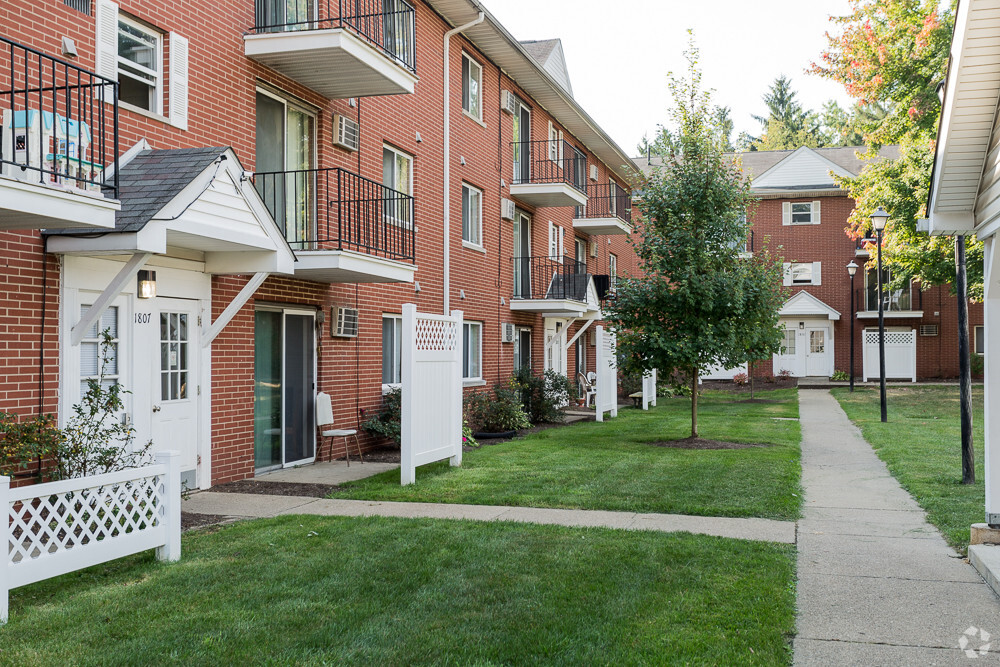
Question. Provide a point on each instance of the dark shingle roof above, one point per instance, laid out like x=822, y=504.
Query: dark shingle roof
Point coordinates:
x=150, y=181
x=153, y=178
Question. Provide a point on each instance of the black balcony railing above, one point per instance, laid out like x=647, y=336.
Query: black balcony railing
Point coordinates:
x=892, y=300
x=550, y=278
x=60, y=121
x=550, y=161
x=389, y=25
x=334, y=209
x=607, y=200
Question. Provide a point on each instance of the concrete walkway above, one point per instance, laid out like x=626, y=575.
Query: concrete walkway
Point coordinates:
x=877, y=585
x=246, y=505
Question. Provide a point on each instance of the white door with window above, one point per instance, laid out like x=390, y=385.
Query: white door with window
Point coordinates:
x=555, y=345
x=806, y=350
x=817, y=355
x=175, y=388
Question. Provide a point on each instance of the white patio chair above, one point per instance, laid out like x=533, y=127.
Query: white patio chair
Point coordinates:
x=324, y=418
x=587, y=387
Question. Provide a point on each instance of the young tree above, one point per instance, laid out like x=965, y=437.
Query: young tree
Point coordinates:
x=699, y=303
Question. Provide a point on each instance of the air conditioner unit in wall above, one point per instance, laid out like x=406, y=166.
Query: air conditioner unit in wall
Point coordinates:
x=507, y=209
x=346, y=132
x=344, y=323
x=506, y=332
x=593, y=248
x=593, y=172
x=508, y=102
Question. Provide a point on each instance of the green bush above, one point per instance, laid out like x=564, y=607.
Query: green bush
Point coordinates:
x=386, y=423
x=496, y=411
x=977, y=363
x=840, y=376
x=24, y=443
x=543, y=395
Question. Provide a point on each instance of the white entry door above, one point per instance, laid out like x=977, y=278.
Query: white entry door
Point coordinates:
x=816, y=350
x=175, y=388
x=792, y=357
x=555, y=345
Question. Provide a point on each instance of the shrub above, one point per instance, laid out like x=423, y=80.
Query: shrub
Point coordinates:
x=785, y=374
x=543, y=395
x=386, y=423
x=496, y=411
x=741, y=379
x=28, y=440
x=467, y=438
x=977, y=363
x=766, y=377
x=840, y=376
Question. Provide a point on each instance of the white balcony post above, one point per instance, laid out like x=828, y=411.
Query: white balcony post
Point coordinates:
x=455, y=391
x=171, y=513
x=408, y=372
x=5, y=546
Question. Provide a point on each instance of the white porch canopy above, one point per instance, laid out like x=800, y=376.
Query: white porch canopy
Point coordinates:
x=805, y=304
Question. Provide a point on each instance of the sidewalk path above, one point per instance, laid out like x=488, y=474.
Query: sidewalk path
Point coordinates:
x=877, y=584
x=245, y=505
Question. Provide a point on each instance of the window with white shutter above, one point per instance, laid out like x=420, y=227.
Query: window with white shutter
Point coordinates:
x=178, y=81
x=800, y=213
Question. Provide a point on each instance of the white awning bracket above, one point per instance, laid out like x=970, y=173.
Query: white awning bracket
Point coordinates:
x=114, y=288
x=579, y=333
x=212, y=330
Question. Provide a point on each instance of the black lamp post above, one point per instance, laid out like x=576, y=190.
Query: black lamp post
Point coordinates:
x=852, y=268
x=879, y=219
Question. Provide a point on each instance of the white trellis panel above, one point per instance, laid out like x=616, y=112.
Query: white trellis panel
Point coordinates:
x=59, y=527
x=431, y=424
x=607, y=373
x=900, y=355
x=649, y=389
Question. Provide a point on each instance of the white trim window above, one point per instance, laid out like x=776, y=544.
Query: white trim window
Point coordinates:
x=788, y=344
x=557, y=240
x=392, y=351
x=555, y=143
x=472, y=351
x=613, y=269
x=802, y=273
x=472, y=215
x=979, y=339
x=397, y=173
x=522, y=349
x=92, y=366
x=472, y=87
x=140, y=65
x=800, y=213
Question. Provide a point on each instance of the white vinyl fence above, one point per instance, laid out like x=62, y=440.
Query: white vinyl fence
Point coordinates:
x=431, y=425
x=59, y=527
x=607, y=373
x=649, y=389
x=900, y=355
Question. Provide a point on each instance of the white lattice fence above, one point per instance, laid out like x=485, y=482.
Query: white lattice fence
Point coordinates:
x=900, y=355
x=649, y=389
x=59, y=527
x=431, y=424
x=607, y=373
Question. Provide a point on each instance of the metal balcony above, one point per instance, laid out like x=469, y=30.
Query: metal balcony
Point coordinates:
x=58, y=143
x=339, y=48
x=608, y=210
x=549, y=173
x=343, y=227
x=554, y=286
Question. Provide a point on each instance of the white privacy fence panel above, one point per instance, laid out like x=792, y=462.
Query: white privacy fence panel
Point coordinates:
x=649, y=389
x=431, y=424
x=900, y=355
x=59, y=527
x=607, y=373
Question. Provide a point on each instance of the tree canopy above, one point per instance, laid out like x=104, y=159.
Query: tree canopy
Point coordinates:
x=699, y=301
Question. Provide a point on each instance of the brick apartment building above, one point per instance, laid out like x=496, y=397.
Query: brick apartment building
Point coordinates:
x=284, y=183
x=802, y=214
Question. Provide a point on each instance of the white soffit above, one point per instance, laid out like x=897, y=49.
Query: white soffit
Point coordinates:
x=970, y=107
x=501, y=47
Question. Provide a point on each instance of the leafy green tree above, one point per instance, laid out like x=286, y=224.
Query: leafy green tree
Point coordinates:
x=891, y=55
x=787, y=125
x=698, y=302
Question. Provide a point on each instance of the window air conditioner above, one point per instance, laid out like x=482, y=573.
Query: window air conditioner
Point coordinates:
x=346, y=132
x=508, y=102
x=507, y=332
x=345, y=322
x=507, y=209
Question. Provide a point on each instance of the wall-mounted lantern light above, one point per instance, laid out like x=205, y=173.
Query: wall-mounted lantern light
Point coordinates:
x=147, y=284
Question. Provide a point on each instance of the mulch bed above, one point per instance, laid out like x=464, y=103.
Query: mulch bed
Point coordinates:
x=277, y=488
x=757, y=400
x=190, y=520
x=381, y=455
x=758, y=385
x=702, y=443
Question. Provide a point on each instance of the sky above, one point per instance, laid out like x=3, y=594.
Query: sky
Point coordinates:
x=619, y=53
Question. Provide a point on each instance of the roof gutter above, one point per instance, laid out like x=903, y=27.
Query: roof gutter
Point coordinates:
x=446, y=246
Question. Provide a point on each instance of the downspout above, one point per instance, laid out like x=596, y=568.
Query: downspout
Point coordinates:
x=446, y=246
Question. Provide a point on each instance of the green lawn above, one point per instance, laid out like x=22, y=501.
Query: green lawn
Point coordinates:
x=611, y=466
x=400, y=592
x=921, y=445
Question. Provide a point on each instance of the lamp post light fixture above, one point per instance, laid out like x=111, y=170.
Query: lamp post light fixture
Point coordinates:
x=852, y=268
x=879, y=220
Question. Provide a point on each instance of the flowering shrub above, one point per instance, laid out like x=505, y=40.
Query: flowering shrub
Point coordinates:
x=741, y=379
x=785, y=374
x=767, y=377
x=467, y=439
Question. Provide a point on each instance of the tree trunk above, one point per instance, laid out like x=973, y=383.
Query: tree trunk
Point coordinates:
x=964, y=364
x=750, y=368
x=694, y=402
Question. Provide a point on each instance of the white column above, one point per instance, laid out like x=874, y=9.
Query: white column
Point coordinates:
x=4, y=543
x=991, y=411
x=600, y=375
x=455, y=391
x=171, y=517
x=408, y=371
